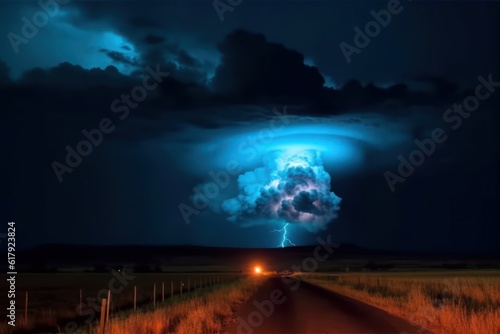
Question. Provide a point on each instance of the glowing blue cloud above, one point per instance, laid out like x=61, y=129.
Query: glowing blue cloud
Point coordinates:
x=291, y=187
x=83, y=43
x=284, y=164
x=344, y=142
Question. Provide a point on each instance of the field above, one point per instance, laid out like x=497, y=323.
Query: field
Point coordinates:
x=204, y=313
x=434, y=293
x=459, y=302
x=54, y=299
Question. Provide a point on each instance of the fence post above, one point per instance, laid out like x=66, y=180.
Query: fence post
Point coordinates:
x=81, y=305
x=26, y=309
x=103, y=317
x=154, y=296
x=108, y=302
x=162, y=292
x=135, y=298
x=189, y=285
x=171, y=289
x=181, y=288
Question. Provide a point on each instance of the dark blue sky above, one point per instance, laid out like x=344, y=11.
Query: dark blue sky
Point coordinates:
x=223, y=88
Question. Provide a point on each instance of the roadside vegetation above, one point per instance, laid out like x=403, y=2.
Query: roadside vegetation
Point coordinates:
x=459, y=303
x=54, y=299
x=207, y=312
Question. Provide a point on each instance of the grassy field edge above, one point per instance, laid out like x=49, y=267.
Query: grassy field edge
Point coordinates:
x=457, y=305
x=207, y=312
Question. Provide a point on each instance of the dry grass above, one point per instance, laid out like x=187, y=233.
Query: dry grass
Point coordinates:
x=204, y=313
x=54, y=298
x=455, y=304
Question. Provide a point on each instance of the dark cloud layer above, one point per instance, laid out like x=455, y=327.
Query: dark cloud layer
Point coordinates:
x=448, y=204
x=74, y=77
x=119, y=57
x=153, y=39
x=252, y=66
x=252, y=70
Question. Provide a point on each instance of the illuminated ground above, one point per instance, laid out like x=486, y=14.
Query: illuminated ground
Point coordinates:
x=304, y=308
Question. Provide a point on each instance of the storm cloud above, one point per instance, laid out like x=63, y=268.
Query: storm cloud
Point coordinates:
x=290, y=187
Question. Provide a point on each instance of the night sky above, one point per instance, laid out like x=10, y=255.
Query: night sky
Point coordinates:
x=266, y=96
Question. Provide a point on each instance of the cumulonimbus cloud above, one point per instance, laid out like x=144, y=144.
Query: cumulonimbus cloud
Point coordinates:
x=291, y=187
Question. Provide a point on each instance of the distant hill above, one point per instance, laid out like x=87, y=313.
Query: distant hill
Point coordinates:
x=176, y=258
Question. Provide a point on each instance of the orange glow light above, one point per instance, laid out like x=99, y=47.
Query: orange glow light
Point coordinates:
x=258, y=270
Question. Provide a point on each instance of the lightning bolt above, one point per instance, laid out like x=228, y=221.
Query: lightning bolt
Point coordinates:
x=285, y=239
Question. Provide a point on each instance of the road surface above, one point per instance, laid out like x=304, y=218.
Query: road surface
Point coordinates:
x=289, y=306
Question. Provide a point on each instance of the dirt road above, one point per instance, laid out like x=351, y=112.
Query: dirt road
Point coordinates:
x=285, y=305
